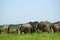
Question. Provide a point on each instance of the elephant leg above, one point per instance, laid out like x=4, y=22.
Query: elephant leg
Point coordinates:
x=30, y=30
x=49, y=30
x=25, y=31
x=54, y=30
x=57, y=30
x=5, y=31
x=21, y=31
x=38, y=30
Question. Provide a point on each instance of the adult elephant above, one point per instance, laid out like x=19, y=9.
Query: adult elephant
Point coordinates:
x=56, y=27
x=6, y=28
x=44, y=26
x=34, y=26
x=13, y=31
x=40, y=26
x=18, y=28
x=26, y=28
x=48, y=27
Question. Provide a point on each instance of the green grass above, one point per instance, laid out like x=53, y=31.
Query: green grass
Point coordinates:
x=34, y=36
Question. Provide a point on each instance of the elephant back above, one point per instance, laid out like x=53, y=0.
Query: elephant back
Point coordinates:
x=5, y=27
x=57, y=26
x=27, y=25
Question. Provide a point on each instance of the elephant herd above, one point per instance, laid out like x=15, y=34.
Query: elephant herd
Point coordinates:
x=32, y=27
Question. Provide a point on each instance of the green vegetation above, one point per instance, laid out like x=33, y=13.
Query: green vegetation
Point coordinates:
x=34, y=36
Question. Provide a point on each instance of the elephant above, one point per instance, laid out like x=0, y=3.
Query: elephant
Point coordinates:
x=56, y=27
x=44, y=26
x=56, y=22
x=13, y=31
x=34, y=25
x=18, y=27
x=48, y=26
x=6, y=28
x=40, y=26
x=26, y=28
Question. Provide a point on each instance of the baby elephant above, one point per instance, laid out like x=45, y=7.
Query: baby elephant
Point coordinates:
x=13, y=31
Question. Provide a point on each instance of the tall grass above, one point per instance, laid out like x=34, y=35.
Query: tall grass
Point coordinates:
x=33, y=36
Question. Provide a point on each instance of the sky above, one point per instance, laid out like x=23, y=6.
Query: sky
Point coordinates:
x=22, y=11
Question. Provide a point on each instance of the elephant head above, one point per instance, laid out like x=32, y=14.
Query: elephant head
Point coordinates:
x=34, y=25
x=44, y=26
x=56, y=27
x=26, y=28
x=6, y=28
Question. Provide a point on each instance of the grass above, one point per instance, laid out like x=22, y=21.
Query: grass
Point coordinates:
x=33, y=36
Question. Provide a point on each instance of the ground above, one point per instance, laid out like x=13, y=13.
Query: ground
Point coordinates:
x=33, y=36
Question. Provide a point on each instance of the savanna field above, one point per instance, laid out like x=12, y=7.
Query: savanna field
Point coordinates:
x=28, y=36
x=33, y=36
x=29, y=19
